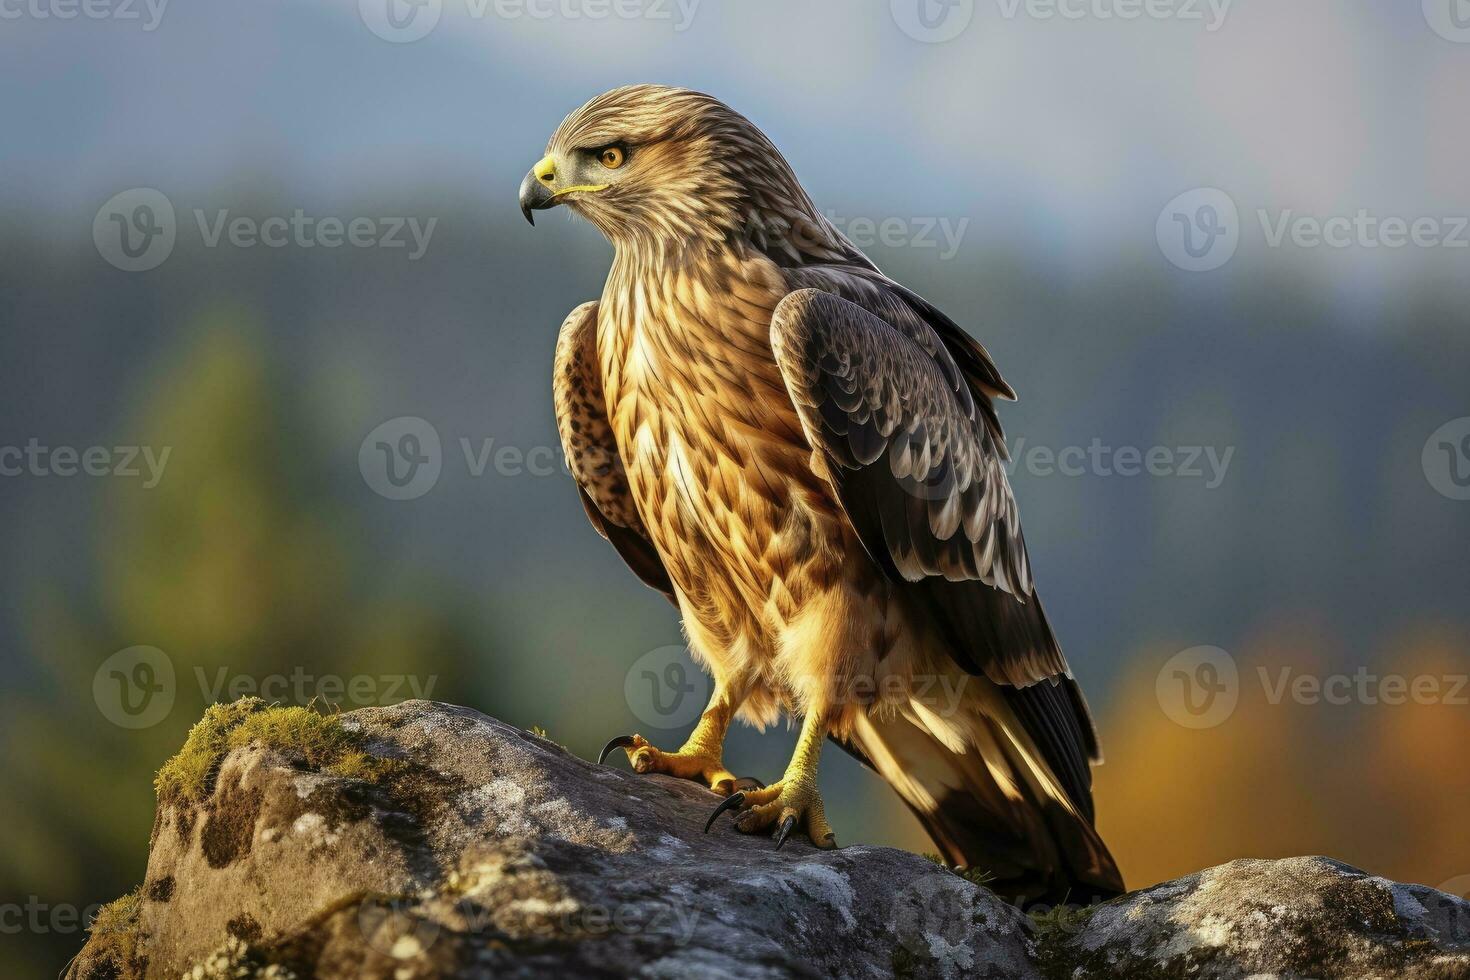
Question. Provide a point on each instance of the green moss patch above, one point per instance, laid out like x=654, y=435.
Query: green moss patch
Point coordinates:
x=113, y=948
x=119, y=916
x=318, y=741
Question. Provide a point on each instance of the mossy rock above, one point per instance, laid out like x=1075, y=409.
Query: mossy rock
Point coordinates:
x=316, y=740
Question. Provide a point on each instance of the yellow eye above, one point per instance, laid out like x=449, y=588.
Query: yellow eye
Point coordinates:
x=612, y=158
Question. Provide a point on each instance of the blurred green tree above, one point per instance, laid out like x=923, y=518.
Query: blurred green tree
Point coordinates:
x=241, y=567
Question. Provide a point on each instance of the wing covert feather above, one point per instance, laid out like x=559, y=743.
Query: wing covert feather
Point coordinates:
x=592, y=453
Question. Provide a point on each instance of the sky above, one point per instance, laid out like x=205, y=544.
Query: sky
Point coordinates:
x=1059, y=127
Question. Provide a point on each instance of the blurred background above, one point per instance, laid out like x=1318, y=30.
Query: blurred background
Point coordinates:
x=275, y=416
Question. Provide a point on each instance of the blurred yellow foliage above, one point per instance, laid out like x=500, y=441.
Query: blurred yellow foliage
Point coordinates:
x=1381, y=785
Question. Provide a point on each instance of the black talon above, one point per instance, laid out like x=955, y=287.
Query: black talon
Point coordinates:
x=728, y=803
x=784, y=830
x=621, y=742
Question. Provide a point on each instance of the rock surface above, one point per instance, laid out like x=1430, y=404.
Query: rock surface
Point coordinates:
x=469, y=848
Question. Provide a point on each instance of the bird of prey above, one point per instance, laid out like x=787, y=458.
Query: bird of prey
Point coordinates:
x=804, y=457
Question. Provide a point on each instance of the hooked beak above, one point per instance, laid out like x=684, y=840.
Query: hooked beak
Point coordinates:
x=536, y=190
x=539, y=190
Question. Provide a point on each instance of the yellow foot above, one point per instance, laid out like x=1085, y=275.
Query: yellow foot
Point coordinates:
x=685, y=764
x=781, y=806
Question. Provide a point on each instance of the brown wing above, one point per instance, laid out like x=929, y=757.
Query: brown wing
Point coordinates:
x=592, y=454
x=914, y=454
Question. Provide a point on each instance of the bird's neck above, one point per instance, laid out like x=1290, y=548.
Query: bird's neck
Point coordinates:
x=711, y=308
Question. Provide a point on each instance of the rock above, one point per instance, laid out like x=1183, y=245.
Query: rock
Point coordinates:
x=1297, y=917
x=465, y=847
x=429, y=841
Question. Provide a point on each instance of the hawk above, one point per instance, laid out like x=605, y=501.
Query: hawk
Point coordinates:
x=804, y=456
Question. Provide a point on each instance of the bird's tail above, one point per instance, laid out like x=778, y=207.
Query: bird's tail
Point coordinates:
x=984, y=790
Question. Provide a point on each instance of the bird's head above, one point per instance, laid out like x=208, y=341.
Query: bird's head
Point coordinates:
x=650, y=164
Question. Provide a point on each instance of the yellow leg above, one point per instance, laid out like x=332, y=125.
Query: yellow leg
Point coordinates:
x=794, y=800
x=701, y=756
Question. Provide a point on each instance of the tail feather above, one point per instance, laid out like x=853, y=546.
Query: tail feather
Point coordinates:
x=997, y=805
